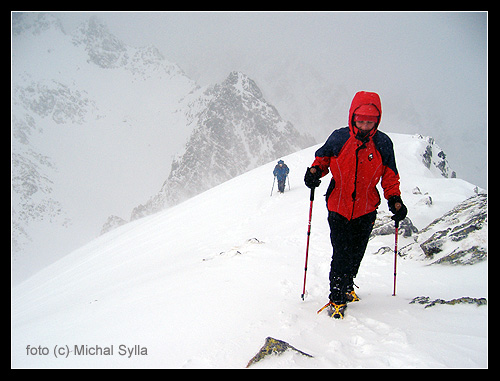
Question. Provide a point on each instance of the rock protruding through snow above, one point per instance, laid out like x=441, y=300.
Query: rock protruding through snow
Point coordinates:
x=459, y=237
x=463, y=300
x=274, y=346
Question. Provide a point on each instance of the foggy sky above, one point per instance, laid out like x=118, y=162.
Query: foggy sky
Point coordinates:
x=438, y=60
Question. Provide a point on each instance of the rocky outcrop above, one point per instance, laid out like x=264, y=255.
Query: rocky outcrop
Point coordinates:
x=463, y=300
x=384, y=225
x=435, y=156
x=112, y=223
x=459, y=237
x=273, y=347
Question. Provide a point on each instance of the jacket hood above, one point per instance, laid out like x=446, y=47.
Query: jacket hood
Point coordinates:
x=364, y=98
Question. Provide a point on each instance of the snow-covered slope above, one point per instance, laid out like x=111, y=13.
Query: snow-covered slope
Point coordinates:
x=203, y=283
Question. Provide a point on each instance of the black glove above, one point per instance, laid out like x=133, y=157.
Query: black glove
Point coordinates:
x=312, y=180
x=399, y=215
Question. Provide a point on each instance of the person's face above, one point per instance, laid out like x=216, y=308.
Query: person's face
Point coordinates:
x=365, y=125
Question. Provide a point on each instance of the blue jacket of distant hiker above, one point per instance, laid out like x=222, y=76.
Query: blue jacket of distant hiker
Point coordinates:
x=281, y=171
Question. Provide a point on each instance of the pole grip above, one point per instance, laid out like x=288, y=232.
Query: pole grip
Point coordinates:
x=311, y=198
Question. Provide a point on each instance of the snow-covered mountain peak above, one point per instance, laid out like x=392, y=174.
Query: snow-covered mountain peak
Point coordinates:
x=234, y=130
x=240, y=82
x=35, y=23
x=106, y=51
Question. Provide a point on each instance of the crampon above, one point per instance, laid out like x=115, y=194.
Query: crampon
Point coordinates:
x=335, y=311
x=352, y=297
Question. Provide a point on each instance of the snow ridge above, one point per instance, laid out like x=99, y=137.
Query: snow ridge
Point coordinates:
x=203, y=283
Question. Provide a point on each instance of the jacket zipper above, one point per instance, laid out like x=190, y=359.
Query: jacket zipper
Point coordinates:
x=356, y=176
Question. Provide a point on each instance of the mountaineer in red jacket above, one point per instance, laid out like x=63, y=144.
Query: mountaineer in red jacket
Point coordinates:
x=357, y=156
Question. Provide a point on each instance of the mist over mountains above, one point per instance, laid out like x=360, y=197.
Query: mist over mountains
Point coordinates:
x=99, y=127
x=234, y=130
x=105, y=133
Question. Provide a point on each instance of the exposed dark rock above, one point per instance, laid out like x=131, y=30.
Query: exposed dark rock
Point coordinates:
x=463, y=300
x=273, y=347
x=384, y=225
x=459, y=237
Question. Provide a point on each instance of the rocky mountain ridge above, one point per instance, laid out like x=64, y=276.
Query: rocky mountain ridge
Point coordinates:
x=459, y=237
x=234, y=130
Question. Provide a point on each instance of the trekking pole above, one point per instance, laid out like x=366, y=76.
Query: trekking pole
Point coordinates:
x=288, y=178
x=307, y=246
x=273, y=185
x=395, y=255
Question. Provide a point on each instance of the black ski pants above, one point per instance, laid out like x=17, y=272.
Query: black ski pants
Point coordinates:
x=349, y=241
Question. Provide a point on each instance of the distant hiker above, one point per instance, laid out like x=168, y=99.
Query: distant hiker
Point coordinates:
x=281, y=172
x=358, y=156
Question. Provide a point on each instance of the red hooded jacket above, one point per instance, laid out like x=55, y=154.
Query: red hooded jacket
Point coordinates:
x=357, y=164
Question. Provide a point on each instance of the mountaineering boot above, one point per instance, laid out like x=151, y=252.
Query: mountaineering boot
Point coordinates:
x=352, y=297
